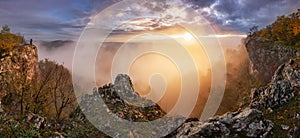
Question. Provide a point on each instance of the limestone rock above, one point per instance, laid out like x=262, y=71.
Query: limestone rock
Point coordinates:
x=121, y=102
x=281, y=88
x=247, y=121
x=20, y=61
x=266, y=56
x=37, y=120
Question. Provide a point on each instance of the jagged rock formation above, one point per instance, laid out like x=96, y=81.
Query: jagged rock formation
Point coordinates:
x=247, y=122
x=20, y=61
x=267, y=56
x=250, y=122
x=123, y=102
x=281, y=88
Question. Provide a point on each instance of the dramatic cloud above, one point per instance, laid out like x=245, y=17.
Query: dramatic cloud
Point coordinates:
x=240, y=15
x=63, y=20
x=49, y=20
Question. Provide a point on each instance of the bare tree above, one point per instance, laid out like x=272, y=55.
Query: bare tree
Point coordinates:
x=253, y=30
x=50, y=92
x=60, y=87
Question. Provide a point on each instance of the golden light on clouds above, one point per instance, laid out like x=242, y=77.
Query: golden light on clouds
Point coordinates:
x=155, y=76
x=164, y=90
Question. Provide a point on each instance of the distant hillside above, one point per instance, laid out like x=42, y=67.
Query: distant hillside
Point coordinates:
x=49, y=45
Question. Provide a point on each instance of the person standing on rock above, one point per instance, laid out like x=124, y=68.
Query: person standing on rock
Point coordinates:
x=30, y=41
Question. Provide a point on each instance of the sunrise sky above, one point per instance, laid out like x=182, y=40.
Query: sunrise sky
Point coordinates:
x=65, y=19
x=193, y=36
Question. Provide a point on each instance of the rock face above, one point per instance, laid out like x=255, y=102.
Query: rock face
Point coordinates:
x=266, y=56
x=249, y=122
x=20, y=61
x=281, y=88
x=122, y=103
x=123, y=87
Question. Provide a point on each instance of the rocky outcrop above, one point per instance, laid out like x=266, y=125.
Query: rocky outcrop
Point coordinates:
x=247, y=122
x=281, y=88
x=250, y=122
x=267, y=56
x=20, y=63
x=123, y=104
x=123, y=101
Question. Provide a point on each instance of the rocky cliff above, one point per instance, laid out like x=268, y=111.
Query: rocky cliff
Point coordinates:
x=19, y=63
x=250, y=121
x=267, y=56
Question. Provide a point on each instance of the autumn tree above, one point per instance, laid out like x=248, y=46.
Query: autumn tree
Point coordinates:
x=58, y=87
x=286, y=30
x=253, y=30
x=8, y=41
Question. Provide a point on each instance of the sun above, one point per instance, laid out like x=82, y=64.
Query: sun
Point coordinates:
x=187, y=37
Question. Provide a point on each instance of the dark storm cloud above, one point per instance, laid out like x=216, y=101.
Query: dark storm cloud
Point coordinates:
x=240, y=15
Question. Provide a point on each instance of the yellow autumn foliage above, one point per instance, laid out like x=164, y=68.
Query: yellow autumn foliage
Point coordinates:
x=8, y=41
x=285, y=29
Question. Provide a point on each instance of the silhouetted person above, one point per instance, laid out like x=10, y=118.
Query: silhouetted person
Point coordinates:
x=30, y=41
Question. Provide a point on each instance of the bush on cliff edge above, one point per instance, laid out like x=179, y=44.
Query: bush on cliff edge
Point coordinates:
x=9, y=40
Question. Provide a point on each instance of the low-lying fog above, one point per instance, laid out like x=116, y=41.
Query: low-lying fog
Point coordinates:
x=154, y=75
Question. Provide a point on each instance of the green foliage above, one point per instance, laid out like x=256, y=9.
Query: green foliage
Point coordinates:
x=18, y=126
x=86, y=130
x=11, y=126
x=284, y=115
x=285, y=29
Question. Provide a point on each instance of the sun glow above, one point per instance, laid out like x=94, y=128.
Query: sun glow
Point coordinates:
x=187, y=37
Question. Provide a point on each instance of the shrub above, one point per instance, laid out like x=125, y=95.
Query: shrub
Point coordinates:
x=285, y=29
x=8, y=41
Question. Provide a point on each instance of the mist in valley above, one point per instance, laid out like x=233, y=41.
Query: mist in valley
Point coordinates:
x=155, y=76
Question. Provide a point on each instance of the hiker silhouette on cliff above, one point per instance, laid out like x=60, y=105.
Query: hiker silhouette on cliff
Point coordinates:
x=30, y=41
